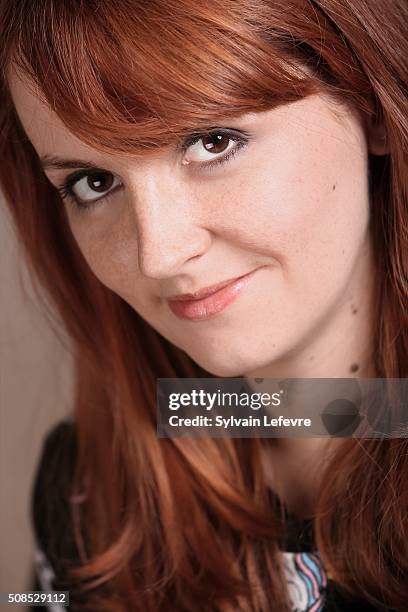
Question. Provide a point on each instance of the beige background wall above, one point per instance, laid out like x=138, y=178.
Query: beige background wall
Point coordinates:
x=35, y=392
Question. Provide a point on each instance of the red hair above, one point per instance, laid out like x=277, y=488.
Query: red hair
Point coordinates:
x=188, y=524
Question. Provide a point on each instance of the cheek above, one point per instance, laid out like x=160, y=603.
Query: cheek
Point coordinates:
x=308, y=209
x=111, y=254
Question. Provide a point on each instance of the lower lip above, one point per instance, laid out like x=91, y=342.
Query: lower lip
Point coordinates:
x=198, y=310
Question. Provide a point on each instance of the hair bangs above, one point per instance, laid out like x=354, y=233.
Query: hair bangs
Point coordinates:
x=161, y=71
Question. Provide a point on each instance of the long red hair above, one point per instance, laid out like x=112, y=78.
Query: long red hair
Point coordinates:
x=179, y=524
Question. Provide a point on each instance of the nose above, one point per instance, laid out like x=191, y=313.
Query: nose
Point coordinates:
x=168, y=231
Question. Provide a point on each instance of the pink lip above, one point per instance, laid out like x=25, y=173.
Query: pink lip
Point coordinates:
x=211, y=300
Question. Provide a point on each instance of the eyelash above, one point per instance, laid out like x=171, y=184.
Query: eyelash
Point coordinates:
x=66, y=193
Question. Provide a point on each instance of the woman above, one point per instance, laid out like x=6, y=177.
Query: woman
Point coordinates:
x=151, y=150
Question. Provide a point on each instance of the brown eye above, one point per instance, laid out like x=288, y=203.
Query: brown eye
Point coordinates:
x=209, y=147
x=100, y=181
x=89, y=185
x=215, y=143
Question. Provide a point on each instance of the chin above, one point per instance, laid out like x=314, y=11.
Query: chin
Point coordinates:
x=232, y=366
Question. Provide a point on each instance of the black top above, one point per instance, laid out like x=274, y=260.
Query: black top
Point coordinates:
x=310, y=588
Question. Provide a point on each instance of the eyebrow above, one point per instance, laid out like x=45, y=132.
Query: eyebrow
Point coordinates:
x=52, y=161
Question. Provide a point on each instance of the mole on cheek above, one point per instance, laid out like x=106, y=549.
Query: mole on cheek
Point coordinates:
x=334, y=186
x=354, y=309
x=354, y=367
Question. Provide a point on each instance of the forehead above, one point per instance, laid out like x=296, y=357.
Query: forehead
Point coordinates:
x=44, y=128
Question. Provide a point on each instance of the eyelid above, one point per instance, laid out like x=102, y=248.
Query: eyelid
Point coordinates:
x=233, y=133
x=73, y=178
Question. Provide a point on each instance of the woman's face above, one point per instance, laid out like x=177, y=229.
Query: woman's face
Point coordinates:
x=291, y=207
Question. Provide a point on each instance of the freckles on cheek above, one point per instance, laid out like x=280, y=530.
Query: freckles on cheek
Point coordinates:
x=109, y=258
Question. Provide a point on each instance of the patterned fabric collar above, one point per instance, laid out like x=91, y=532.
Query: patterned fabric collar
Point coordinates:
x=306, y=581
x=306, y=577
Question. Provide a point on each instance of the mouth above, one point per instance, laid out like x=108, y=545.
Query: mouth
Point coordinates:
x=209, y=301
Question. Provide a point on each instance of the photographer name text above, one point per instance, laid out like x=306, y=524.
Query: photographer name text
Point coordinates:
x=231, y=421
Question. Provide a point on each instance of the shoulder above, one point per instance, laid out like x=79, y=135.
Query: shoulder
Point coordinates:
x=50, y=500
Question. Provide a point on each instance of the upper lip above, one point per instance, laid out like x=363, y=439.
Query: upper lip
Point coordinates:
x=201, y=293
